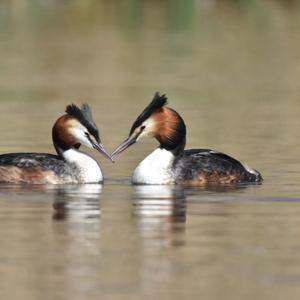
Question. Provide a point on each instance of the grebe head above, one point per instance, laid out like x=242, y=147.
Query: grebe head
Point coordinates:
x=77, y=128
x=160, y=122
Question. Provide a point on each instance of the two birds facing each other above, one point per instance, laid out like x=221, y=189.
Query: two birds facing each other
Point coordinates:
x=168, y=164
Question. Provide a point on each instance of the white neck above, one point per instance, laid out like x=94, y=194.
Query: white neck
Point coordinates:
x=89, y=170
x=156, y=168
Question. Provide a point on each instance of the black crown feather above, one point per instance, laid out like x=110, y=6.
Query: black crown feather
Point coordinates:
x=84, y=116
x=157, y=102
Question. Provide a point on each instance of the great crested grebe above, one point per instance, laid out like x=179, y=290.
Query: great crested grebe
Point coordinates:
x=170, y=163
x=71, y=130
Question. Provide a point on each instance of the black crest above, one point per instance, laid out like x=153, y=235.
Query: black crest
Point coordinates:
x=158, y=102
x=84, y=116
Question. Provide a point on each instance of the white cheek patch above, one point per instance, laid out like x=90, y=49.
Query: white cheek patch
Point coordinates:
x=79, y=134
x=149, y=129
x=149, y=124
x=141, y=136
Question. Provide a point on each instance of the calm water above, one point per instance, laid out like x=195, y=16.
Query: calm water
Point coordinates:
x=232, y=69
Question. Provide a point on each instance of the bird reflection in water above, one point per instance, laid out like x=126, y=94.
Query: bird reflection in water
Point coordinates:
x=161, y=212
x=161, y=209
x=77, y=202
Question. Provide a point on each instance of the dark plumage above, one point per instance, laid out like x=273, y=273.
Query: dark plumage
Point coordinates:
x=158, y=102
x=84, y=116
x=206, y=166
x=44, y=161
x=36, y=168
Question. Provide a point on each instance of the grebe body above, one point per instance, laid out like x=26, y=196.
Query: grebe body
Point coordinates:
x=170, y=163
x=70, y=165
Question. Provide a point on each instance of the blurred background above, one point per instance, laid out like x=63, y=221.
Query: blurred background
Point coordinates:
x=231, y=68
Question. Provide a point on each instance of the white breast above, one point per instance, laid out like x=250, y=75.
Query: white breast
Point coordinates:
x=89, y=169
x=156, y=168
